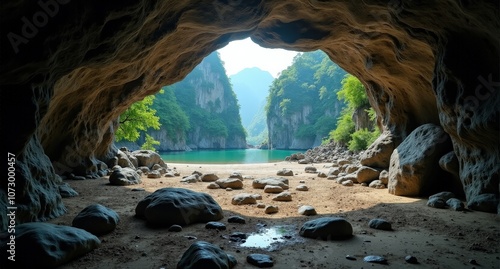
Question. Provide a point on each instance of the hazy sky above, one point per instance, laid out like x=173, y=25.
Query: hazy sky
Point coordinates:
x=241, y=54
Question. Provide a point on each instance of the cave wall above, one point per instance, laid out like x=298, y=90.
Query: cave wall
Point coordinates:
x=69, y=68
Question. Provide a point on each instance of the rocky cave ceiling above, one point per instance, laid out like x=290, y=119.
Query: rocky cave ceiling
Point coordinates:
x=70, y=68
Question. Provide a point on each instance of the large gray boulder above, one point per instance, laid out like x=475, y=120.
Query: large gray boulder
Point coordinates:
x=414, y=168
x=275, y=181
x=46, y=245
x=327, y=228
x=366, y=174
x=96, y=219
x=169, y=206
x=148, y=158
x=203, y=255
x=124, y=176
x=379, y=152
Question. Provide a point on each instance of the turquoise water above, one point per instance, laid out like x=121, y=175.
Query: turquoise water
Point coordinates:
x=227, y=156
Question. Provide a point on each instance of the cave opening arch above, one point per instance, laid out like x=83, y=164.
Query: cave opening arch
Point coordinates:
x=76, y=71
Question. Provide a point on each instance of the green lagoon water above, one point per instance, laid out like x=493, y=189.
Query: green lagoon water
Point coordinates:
x=227, y=156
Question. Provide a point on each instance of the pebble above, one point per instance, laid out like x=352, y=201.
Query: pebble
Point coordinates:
x=271, y=209
x=348, y=183
x=473, y=262
x=215, y=225
x=307, y=210
x=260, y=260
x=229, y=189
x=302, y=187
x=436, y=202
x=380, y=224
x=175, y=228
x=236, y=219
x=237, y=236
x=261, y=205
x=375, y=259
x=411, y=259
x=283, y=197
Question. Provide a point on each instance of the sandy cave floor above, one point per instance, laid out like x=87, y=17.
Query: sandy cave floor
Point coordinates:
x=438, y=238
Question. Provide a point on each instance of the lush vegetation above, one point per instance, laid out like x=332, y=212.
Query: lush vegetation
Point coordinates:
x=138, y=118
x=312, y=80
x=211, y=119
x=180, y=111
x=354, y=94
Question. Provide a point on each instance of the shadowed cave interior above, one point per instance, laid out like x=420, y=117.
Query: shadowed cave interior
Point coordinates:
x=70, y=68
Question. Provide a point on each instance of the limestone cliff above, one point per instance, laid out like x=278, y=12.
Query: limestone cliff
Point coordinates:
x=70, y=68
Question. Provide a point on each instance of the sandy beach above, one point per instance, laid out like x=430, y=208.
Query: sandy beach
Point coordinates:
x=438, y=238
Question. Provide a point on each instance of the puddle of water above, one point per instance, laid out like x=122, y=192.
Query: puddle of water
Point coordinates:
x=272, y=238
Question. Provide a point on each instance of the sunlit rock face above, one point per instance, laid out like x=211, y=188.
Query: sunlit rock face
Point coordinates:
x=70, y=68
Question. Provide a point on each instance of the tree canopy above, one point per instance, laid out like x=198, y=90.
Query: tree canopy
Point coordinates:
x=139, y=117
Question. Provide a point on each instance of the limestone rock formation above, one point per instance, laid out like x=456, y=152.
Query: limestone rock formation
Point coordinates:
x=414, y=168
x=169, y=206
x=96, y=219
x=46, y=245
x=74, y=73
x=203, y=255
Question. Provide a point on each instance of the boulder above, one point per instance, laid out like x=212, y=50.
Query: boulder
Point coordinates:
x=96, y=219
x=455, y=204
x=154, y=174
x=436, y=202
x=243, y=199
x=203, y=255
x=213, y=185
x=148, y=158
x=380, y=224
x=283, y=197
x=366, y=174
x=414, y=168
x=302, y=187
x=311, y=169
x=384, y=177
x=46, y=245
x=169, y=206
x=379, y=152
x=486, y=202
x=327, y=228
x=191, y=179
x=273, y=189
x=209, y=177
x=236, y=175
x=275, y=181
x=66, y=191
x=271, y=209
x=347, y=183
x=445, y=195
x=123, y=160
x=124, y=176
x=285, y=172
x=233, y=183
x=260, y=260
x=307, y=210
x=377, y=184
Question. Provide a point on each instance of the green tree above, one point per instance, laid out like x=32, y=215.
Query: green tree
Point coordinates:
x=139, y=117
x=354, y=94
x=150, y=143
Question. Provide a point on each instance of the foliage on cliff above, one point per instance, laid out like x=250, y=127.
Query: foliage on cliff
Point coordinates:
x=313, y=80
x=354, y=94
x=138, y=118
x=181, y=109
